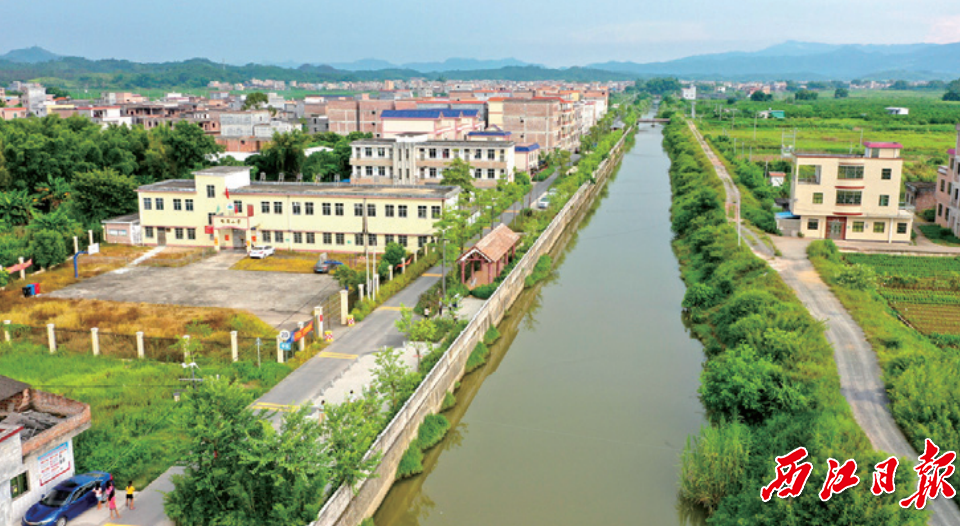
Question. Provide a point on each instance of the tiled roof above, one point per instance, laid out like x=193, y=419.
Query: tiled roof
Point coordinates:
x=494, y=245
x=10, y=387
x=527, y=147
x=426, y=114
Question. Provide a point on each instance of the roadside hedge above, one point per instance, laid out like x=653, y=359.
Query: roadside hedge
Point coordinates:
x=770, y=383
x=363, y=308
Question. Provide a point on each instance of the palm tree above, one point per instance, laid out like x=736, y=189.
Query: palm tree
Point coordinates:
x=52, y=193
x=17, y=207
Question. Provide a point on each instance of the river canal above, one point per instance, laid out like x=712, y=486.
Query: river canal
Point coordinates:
x=581, y=414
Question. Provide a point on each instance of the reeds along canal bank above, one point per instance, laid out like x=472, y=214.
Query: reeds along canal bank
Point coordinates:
x=347, y=507
x=583, y=410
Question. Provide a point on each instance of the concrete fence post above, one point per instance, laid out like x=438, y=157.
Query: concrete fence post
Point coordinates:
x=344, y=307
x=279, y=350
x=51, y=338
x=234, y=348
x=23, y=272
x=318, y=323
x=76, y=245
x=140, y=352
x=303, y=339
x=186, y=348
x=362, y=297
x=95, y=339
x=391, y=272
x=90, y=236
x=6, y=331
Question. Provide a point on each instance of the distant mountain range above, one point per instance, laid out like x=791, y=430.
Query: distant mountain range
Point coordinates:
x=809, y=61
x=790, y=60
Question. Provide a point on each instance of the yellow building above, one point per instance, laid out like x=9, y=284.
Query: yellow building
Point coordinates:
x=222, y=208
x=853, y=197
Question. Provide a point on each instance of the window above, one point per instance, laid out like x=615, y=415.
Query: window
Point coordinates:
x=421, y=240
x=848, y=197
x=884, y=200
x=381, y=152
x=478, y=154
x=277, y=207
x=886, y=174
x=942, y=183
x=327, y=238
x=433, y=173
x=338, y=209
x=264, y=207
x=371, y=210
x=502, y=155
x=358, y=240
x=435, y=212
x=432, y=153
x=298, y=237
x=402, y=211
x=210, y=191
x=339, y=239
x=901, y=228
x=266, y=236
x=311, y=238
x=147, y=203
x=189, y=205
x=308, y=208
x=369, y=171
x=478, y=173
x=295, y=206
x=808, y=174
x=178, y=233
x=491, y=173
x=191, y=233
x=177, y=205
x=382, y=171
x=148, y=231
x=372, y=239
x=850, y=172
x=159, y=202
x=387, y=239
x=402, y=240
x=446, y=153
x=878, y=227
x=818, y=198
x=813, y=224
x=278, y=236
x=388, y=210
x=858, y=226
x=238, y=207
x=368, y=152
x=325, y=209
x=19, y=485
x=358, y=209
x=939, y=210
x=422, y=211
x=491, y=155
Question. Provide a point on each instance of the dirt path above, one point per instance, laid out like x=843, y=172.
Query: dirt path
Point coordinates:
x=732, y=196
x=860, y=372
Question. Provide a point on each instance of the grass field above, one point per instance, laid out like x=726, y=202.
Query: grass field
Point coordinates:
x=837, y=125
x=939, y=235
x=298, y=262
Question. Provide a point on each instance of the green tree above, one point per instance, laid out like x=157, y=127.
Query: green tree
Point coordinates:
x=5, y=179
x=47, y=248
x=348, y=430
x=239, y=470
x=394, y=253
x=759, y=96
x=254, y=100
x=393, y=381
x=459, y=173
x=951, y=96
x=4, y=277
x=454, y=227
x=101, y=194
x=187, y=147
x=52, y=193
x=284, y=154
x=806, y=94
x=17, y=207
x=841, y=93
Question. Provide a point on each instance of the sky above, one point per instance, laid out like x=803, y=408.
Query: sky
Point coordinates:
x=550, y=32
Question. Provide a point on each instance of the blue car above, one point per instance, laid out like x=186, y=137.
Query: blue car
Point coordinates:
x=66, y=500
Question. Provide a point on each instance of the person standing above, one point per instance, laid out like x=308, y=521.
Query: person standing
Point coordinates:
x=130, y=490
x=98, y=492
x=112, y=501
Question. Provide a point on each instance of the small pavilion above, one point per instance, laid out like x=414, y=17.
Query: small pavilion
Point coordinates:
x=489, y=256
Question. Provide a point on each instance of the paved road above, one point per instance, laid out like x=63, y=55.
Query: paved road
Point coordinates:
x=860, y=372
x=732, y=195
x=305, y=385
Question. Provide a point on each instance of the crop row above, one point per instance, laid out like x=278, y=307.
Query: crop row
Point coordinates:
x=941, y=319
x=924, y=297
x=907, y=265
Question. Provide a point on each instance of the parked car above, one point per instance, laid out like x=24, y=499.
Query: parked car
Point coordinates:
x=67, y=500
x=326, y=266
x=261, y=252
x=543, y=202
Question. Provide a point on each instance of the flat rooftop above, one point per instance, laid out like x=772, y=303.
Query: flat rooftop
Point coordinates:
x=349, y=190
x=170, y=185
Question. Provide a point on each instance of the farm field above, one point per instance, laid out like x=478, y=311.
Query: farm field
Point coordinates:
x=924, y=291
x=837, y=125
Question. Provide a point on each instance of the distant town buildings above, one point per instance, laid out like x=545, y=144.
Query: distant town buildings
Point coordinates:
x=948, y=191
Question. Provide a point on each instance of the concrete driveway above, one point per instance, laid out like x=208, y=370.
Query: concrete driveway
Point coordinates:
x=279, y=298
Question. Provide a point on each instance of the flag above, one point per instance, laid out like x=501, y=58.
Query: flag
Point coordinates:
x=226, y=192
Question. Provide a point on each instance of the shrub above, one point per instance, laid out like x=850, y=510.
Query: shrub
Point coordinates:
x=857, y=277
x=540, y=271
x=449, y=400
x=48, y=248
x=713, y=463
x=477, y=358
x=411, y=463
x=484, y=291
x=929, y=215
x=823, y=248
x=491, y=336
x=432, y=431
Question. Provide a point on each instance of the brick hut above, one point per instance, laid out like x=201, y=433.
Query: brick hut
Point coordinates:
x=489, y=256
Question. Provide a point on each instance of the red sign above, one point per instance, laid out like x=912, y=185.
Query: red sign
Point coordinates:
x=302, y=333
x=20, y=266
x=208, y=229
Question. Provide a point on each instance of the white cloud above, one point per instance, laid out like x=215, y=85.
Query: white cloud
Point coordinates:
x=945, y=30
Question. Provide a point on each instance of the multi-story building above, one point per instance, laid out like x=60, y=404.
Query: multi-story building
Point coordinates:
x=413, y=159
x=241, y=124
x=33, y=97
x=37, y=429
x=439, y=124
x=8, y=114
x=948, y=191
x=535, y=120
x=853, y=197
x=221, y=208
